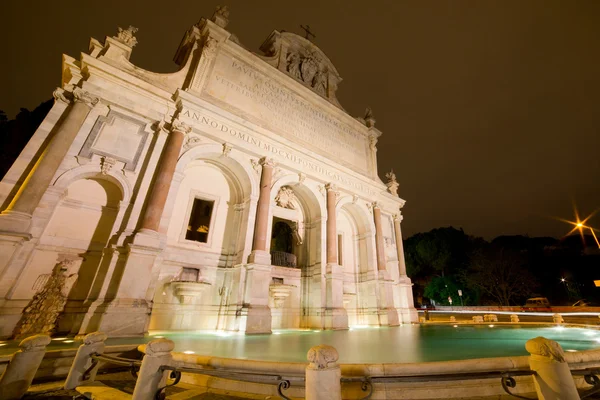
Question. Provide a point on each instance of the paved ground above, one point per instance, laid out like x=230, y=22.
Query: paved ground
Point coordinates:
x=116, y=386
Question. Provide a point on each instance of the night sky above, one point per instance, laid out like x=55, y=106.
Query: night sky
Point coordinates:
x=490, y=110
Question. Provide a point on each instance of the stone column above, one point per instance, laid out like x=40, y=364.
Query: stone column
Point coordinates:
x=17, y=216
x=379, y=245
x=388, y=315
x=399, y=246
x=258, y=271
x=553, y=379
x=335, y=316
x=163, y=176
x=332, y=243
x=259, y=253
x=22, y=367
x=323, y=374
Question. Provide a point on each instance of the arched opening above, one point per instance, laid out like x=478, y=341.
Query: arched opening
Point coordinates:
x=198, y=286
x=282, y=243
x=71, y=252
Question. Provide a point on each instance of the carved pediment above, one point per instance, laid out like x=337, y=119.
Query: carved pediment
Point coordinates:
x=304, y=61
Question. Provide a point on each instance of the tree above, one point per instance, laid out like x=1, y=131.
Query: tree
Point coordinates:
x=501, y=274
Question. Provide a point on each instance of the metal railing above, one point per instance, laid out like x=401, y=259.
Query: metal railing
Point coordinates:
x=133, y=364
x=507, y=380
x=282, y=382
x=283, y=259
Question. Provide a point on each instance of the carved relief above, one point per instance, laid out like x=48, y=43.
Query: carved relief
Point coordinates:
x=286, y=198
x=62, y=95
x=83, y=96
x=542, y=347
x=106, y=164
x=309, y=69
x=180, y=126
x=43, y=312
x=126, y=37
x=191, y=141
x=256, y=166
x=322, y=357
x=226, y=149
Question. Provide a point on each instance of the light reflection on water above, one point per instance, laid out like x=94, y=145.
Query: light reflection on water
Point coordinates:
x=408, y=343
x=403, y=344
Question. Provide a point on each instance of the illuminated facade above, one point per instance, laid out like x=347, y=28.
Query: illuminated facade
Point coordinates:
x=234, y=194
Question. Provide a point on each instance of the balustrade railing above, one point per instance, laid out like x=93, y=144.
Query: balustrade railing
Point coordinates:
x=283, y=259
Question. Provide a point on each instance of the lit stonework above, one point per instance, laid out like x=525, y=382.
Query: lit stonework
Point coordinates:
x=234, y=194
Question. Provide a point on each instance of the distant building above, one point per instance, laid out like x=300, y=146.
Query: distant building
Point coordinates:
x=234, y=194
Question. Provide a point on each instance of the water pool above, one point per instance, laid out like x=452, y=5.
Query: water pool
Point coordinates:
x=403, y=344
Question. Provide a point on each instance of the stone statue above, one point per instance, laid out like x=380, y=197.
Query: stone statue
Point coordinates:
x=542, y=347
x=392, y=183
x=320, y=83
x=369, y=119
x=221, y=16
x=125, y=36
x=285, y=198
x=43, y=312
x=309, y=67
x=293, y=66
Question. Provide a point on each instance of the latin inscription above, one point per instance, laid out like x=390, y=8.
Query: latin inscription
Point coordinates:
x=287, y=113
x=276, y=151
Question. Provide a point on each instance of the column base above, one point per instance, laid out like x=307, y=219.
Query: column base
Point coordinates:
x=258, y=320
x=259, y=257
x=123, y=317
x=335, y=319
x=15, y=222
x=406, y=310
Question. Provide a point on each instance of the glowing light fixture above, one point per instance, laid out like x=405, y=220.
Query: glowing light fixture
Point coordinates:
x=455, y=326
x=68, y=341
x=276, y=333
x=59, y=339
x=491, y=326
x=189, y=352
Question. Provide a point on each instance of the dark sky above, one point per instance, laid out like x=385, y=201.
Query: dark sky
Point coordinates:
x=490, y=109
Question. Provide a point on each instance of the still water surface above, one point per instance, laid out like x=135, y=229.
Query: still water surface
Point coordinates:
x=403, y=344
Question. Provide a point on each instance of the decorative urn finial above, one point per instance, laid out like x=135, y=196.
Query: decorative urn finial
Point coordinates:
x=126, y=37
x=221, y=16
x=392, y=183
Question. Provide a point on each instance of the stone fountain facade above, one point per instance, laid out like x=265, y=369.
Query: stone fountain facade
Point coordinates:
x=177, y=194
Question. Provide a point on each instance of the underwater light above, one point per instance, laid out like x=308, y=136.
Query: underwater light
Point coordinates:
x=316, y=331
x=276, y=333
x=2, y=344
x=491, y=326
x=572, y=351
x=559, y=328
x=59, y=338
x=455, y=326
x=158, y=337
x=68, y=341
x=189, y=352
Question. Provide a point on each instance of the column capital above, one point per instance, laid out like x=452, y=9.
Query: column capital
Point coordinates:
x=180, y=126
x=80, y=95
x=398, y=217
x=267, y=162
x=375, y=204
x=330, y=186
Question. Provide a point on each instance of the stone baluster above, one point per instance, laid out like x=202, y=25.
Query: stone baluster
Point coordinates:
x=323, y=374
x=30, y=193
x=332, y=240
x=164, y=175
x=261, y=226
x=92, y=343
x=399, y=245
x=553, y=379
x=379, y=246
x=22, y=367
x=150, y=376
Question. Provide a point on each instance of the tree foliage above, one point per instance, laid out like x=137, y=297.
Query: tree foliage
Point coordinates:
x=501, y=274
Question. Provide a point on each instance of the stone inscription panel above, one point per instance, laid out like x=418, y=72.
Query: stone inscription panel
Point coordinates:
x=270, y=104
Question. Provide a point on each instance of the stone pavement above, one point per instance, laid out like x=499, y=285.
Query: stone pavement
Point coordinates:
x=116, y=386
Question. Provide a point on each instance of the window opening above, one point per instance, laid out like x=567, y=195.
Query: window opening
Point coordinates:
x=199, y=222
